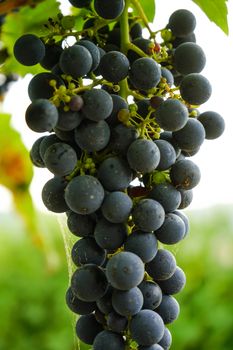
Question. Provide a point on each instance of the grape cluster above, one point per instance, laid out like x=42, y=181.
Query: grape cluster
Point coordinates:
x=100, y=142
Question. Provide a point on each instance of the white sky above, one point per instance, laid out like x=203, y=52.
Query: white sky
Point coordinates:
x=215, y=157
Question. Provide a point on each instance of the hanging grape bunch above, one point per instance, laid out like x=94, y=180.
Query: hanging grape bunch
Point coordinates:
x=120, y=107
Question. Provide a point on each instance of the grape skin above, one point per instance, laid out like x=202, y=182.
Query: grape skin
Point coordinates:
x=143, y=156
x=152, y=294
x=185, y=174
x=191, y=136
x=162, y=266
x=182, y=23
x=189, y=58
x=116, y=207
x=108, y=235
x=125, y=270
x=167, y=154
x=114, y=66
x=40, y=88
x=167, y=195
x=78, y=306
x=213, y=123
x=98, y=104
x=172, y=231
x=35, y=156
x=148, y=215
x=89, y=282
x=41, y=115
x=127, y=303
x=60, y=159
x=105, y=338
x=171, y=115
x=195, y=89
x=146, y=327
x=76, y=61
x=92, y=136
x=145, y=73
x=143, y=244
x=175, y=283
x=87, y=328
x=87, y=251
x=80, y=225
x=29, y=50
x=169, y=309
x=166, y=341
x=109, y=10
x=53, y=195
x=94, y=51
x=116, y=322
x=151, y=347
x=84, y=194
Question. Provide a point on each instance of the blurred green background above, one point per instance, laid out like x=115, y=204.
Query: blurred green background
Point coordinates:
x=34, y=279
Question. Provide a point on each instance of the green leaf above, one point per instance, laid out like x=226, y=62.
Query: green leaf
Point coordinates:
x=216, y=11
x=26, y=20
x=147, y=6
x=149, y=9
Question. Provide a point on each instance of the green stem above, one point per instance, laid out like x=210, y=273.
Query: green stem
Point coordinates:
x=138, y=6
x=125, y=42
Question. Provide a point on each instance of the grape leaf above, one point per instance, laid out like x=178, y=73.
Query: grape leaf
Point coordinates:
x=26, y=20
x=216, y=11
x=149, y=9
x=148, y=6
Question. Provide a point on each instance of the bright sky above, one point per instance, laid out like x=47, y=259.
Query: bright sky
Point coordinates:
x=215, y=157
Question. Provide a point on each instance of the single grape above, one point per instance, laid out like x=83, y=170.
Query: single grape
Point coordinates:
x=125, y=270
x=185, y=174
x=84, y=194
x=167, y=135
x=114, y=66
x=182, y=23
x=80, y=3
x=127, y=302
x=60, y=159
x=87, y=251
x=98, y=104
x=152, y=294
x=80, y=225
x=76, y=61
x=191, y=136
x=195, y=89
x=114, y=174
x=53, y=195
x=171, y=115
x=185, y=219
x=92, y=136
x=189, y=58
x=78, y=306
x=143, y=107
x=135, y=30
x=105, y=338
x=89, y=282
x=148, y=215
x=167, y=195
x=116, y=207
x=109, y=10
x=146, y=327
x=46, y=142
x=41, y=115
x=175, y=283
x=143, y=155
x=213, y=123
x=108, y=235
x=162, y=266
x=186, y=198
x=143, y=244
x=87, y=328
x=172, y=231
x=168, y=309
x=29, y=50
x=145, y=73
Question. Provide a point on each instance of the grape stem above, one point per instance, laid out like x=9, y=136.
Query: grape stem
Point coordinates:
x=138, y=6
